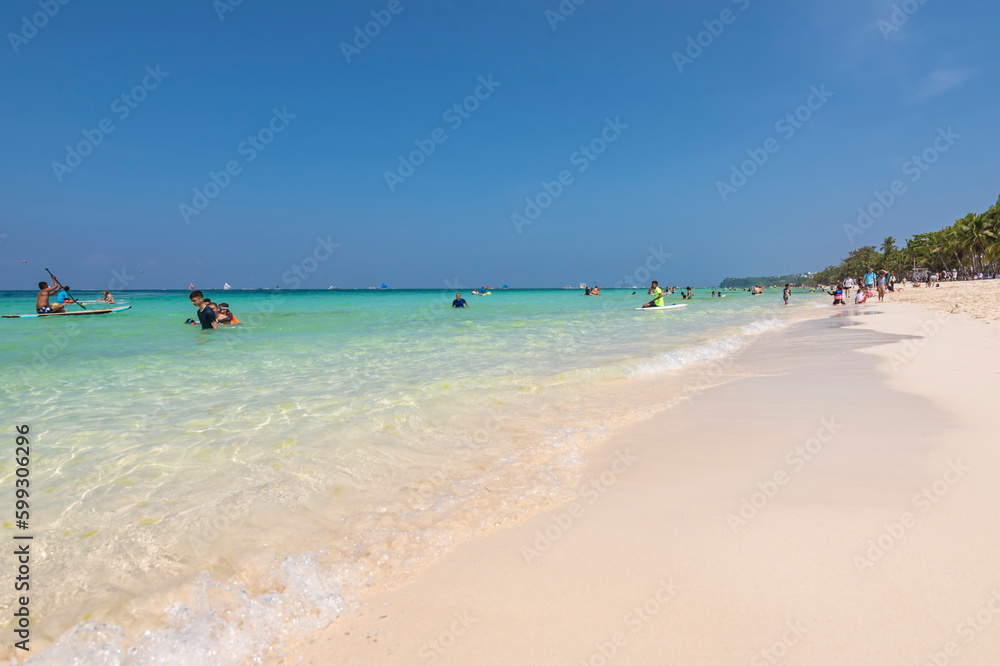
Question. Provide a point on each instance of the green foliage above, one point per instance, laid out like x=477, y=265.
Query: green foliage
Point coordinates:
x=971, y=243
x=770, y=280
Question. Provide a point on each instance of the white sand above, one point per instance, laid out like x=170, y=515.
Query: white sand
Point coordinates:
x=654, y=570
x=978, y=298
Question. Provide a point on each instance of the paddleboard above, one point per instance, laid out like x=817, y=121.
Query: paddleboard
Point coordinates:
x=69, y=314
x=666, y=307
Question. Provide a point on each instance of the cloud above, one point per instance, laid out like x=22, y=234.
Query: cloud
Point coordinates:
x=941, y=80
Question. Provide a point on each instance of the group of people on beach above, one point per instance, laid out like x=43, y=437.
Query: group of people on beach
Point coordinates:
x=211, y=315
x=868, y=286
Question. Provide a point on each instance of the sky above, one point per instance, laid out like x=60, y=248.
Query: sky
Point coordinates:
x=428, y=144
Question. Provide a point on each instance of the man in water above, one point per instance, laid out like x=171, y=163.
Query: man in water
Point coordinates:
x=42, y=305
x=657, y=301
x=206, y=315
x=787, y=293
x=459, y=302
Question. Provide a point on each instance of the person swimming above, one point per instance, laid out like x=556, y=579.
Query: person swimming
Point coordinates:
x=224, y=316
x=108, y=298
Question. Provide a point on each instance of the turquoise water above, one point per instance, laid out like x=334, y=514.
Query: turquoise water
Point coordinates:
x=212, y=492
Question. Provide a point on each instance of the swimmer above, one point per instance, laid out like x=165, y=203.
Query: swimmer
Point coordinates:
x=459, y=302
x=224, y=316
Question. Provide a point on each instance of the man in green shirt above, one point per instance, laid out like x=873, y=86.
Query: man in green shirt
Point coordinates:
x=657, y=302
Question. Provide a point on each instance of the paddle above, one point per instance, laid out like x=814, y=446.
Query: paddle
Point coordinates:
x=65, y=289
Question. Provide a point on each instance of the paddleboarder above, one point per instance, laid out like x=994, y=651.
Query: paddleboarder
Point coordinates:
x=657, y=302
x=42, y=305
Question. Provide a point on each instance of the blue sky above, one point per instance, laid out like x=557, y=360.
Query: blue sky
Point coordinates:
x=670, y=136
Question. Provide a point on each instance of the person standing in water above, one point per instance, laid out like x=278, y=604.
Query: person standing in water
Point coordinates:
x=657, y=301
x=787, y=293
x=459, y=302
x=206, y=315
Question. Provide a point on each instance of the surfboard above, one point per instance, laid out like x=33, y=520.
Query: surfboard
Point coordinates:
x=666, y=307
x=68, y=314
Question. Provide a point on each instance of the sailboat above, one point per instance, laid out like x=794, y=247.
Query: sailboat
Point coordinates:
x=226, y=286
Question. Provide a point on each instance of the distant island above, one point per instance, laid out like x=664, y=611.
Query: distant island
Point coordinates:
x=796, y=279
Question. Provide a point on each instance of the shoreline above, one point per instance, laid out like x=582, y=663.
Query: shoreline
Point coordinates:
x=506, y=465
x=653, y=524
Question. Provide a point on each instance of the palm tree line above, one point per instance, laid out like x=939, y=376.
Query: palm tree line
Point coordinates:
x=971, y=245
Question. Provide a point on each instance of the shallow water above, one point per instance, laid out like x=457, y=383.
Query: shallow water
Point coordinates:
x=199, y=495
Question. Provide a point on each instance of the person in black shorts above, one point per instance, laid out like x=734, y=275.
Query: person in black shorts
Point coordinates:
x=42, y=304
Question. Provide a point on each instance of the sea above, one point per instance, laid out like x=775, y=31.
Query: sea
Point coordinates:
x=214, y=496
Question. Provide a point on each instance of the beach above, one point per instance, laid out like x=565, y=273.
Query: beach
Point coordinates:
x=979, y=299
x=831, y=500
x=217, y=496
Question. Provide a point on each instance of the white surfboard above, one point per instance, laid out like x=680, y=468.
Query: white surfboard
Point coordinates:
x=664, y=307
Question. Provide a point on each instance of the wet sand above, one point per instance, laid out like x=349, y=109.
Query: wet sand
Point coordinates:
x=835, y=506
